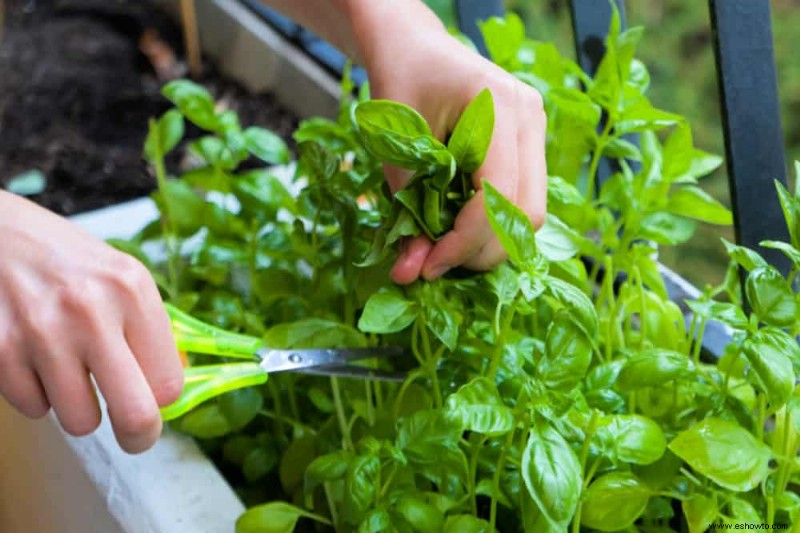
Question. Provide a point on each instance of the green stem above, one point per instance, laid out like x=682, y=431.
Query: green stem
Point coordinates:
x=170, y=236
x=500, y=338
x=431, y=363
x=598, y=152
x=496, y=479
x=762, y=413
x=276, y=401
x=473, y=474
x=590, y=431
x=337, y=401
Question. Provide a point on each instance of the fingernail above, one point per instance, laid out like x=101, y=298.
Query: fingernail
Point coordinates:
x=437, y=272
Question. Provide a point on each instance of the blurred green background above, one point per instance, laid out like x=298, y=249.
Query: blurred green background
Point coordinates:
x=677, y=50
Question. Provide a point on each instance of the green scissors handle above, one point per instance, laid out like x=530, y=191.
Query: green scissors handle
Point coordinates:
x=201, y=383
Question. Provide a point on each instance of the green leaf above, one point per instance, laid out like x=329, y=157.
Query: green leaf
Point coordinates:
x=274, y=517
x=634, y=438
x=261, y=195
x=771, y=297
x=568, y=353
x=788, y=250
x=240, y=407
x=377, y=520
x=552, y=474
x=503, y=37
x=313, y=333
x=326, y=468
x=361, y=480
x=668, y=229
x=466, y=523
x=790, y=207
x=643, y=116
x=700, y=512
x=576, y=301
x=653, y=368
x=725, y=453
x=398, y=135
x=258, y=463
x=619, y=148
x=205, y=422
x=557, y=241
x=511, y=225
x=770, y=362
x=477, y=407
x=387, y=311
x=420, y=515
x=727, y=313
x=614, y=502
x=426, y=435
x=266, y=146
x=745, y=257
x=472, y=134
x=694, y=202
x=163, y=135
x=194, y=102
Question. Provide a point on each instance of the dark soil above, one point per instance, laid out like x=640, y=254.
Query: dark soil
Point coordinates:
x=76, y=94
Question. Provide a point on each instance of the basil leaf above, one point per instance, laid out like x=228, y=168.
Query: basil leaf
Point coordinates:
x=771, y=297
x=274, y=517
x=313, y=333
x=361, y=479
x=163, y=135
x=745, y=257
x=724, y=312
x=398, y=135
x=266, y=146
x=725, y=453
x=653, y=368
x=466, y=523
x=614, y=501
x=420, y=515
x=194, y=102
x=700, y=512
x=576, y=301
x=773, y=369
x=633, y=438
x=552, y=474
x=694, y=202
x=477, y=407
x=557, y=241
x=387, y=311
x=568, y=353
x=472, y=134
x=326, y=468
x=511, y=225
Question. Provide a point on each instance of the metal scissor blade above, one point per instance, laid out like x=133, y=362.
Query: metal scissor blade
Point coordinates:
x=306, y=360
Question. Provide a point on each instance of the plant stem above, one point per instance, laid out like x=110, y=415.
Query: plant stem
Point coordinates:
x=173, y=254
x=276, y=400
x=500, y=338
x=590, y=431
x=598, y=152
x=473, y=474
x=337, y=401
x=431, y=362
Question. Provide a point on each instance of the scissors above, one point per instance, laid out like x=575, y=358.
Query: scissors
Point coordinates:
x=204, y=382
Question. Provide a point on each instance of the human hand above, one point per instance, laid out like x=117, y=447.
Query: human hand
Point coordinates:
x=432, y=72
x=70, y=305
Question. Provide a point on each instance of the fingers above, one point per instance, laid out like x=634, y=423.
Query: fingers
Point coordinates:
x=21, y=387
x=131, y=405
x=149, y=335
x=69, y=391
x=408, y=266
